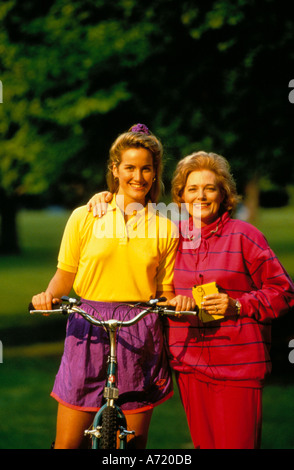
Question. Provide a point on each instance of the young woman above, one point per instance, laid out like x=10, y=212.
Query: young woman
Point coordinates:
x=221, y=365
x=109, y=261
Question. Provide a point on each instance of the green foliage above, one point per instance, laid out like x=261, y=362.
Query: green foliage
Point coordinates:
x=208, y=76
x=211, y=76
x=50, y=67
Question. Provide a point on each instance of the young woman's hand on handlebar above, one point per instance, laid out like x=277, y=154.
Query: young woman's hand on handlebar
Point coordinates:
x=44, y=301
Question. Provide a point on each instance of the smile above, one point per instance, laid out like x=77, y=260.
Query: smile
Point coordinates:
x=200, y=206
x=137, y=186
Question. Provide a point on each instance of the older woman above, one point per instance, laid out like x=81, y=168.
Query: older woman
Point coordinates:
x=221, y=365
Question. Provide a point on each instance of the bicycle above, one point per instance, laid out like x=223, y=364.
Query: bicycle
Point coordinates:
x=110, y=419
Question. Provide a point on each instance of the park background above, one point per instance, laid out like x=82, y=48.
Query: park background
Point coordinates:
x=203, y=75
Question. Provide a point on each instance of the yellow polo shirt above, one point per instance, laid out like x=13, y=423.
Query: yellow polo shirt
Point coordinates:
x=116, y=260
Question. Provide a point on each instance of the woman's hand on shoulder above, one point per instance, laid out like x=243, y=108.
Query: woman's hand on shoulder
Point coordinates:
x=98, y=203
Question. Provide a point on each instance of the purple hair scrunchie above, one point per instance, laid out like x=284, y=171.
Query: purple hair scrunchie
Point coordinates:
x=140, y=128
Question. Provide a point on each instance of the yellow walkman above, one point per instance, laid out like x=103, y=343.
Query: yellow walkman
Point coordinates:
x=201, y=291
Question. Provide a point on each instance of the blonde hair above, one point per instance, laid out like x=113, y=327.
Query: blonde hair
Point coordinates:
x=131, y=139
x=206, y=161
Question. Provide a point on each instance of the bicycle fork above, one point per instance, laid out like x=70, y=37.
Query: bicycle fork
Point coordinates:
x=111, y=394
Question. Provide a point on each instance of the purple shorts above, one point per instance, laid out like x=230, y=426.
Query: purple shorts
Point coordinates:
x=144, y=377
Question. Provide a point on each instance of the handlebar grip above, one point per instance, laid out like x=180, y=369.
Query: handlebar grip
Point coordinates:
x=173, y=308
x=54, y=306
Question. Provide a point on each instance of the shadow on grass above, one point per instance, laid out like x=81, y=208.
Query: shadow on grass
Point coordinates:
x=38, y=330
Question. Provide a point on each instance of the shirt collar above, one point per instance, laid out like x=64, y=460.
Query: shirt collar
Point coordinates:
x=216, y=227
x=149, y=207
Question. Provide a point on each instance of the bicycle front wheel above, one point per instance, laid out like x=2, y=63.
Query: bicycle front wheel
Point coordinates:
x=108, y=428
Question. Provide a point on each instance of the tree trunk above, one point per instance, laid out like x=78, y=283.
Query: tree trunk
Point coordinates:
x=8, y=225
x=252, y=198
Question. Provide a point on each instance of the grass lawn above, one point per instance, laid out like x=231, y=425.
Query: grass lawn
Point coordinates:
x=32, y=346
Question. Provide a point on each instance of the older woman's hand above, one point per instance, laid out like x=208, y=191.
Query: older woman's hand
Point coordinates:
x=219, y=304
x=98, y=203
x=182, y=303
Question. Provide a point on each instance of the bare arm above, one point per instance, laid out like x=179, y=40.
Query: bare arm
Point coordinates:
x=60, y=285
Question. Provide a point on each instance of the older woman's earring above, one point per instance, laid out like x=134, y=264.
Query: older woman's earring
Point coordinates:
x=154, y=179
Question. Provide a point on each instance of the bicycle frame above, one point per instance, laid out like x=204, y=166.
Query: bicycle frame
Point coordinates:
x=111, y=392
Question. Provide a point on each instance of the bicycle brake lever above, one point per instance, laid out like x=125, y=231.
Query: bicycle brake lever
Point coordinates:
x=71, y=300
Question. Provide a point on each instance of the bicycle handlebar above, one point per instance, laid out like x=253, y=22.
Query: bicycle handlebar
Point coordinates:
x=71, y=305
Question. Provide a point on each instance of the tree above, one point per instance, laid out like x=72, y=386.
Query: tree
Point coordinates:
x=211, y=75
x=223, y=72
x=54, y=52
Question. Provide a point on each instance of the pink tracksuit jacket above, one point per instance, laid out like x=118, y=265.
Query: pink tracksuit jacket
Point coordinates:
x=238, y=258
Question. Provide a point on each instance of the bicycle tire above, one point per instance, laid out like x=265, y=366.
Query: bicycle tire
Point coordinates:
x=108, y=428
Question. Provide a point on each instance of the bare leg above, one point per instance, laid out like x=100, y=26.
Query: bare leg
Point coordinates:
x=70, y=428
x=71, y=425
x=139, y=422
